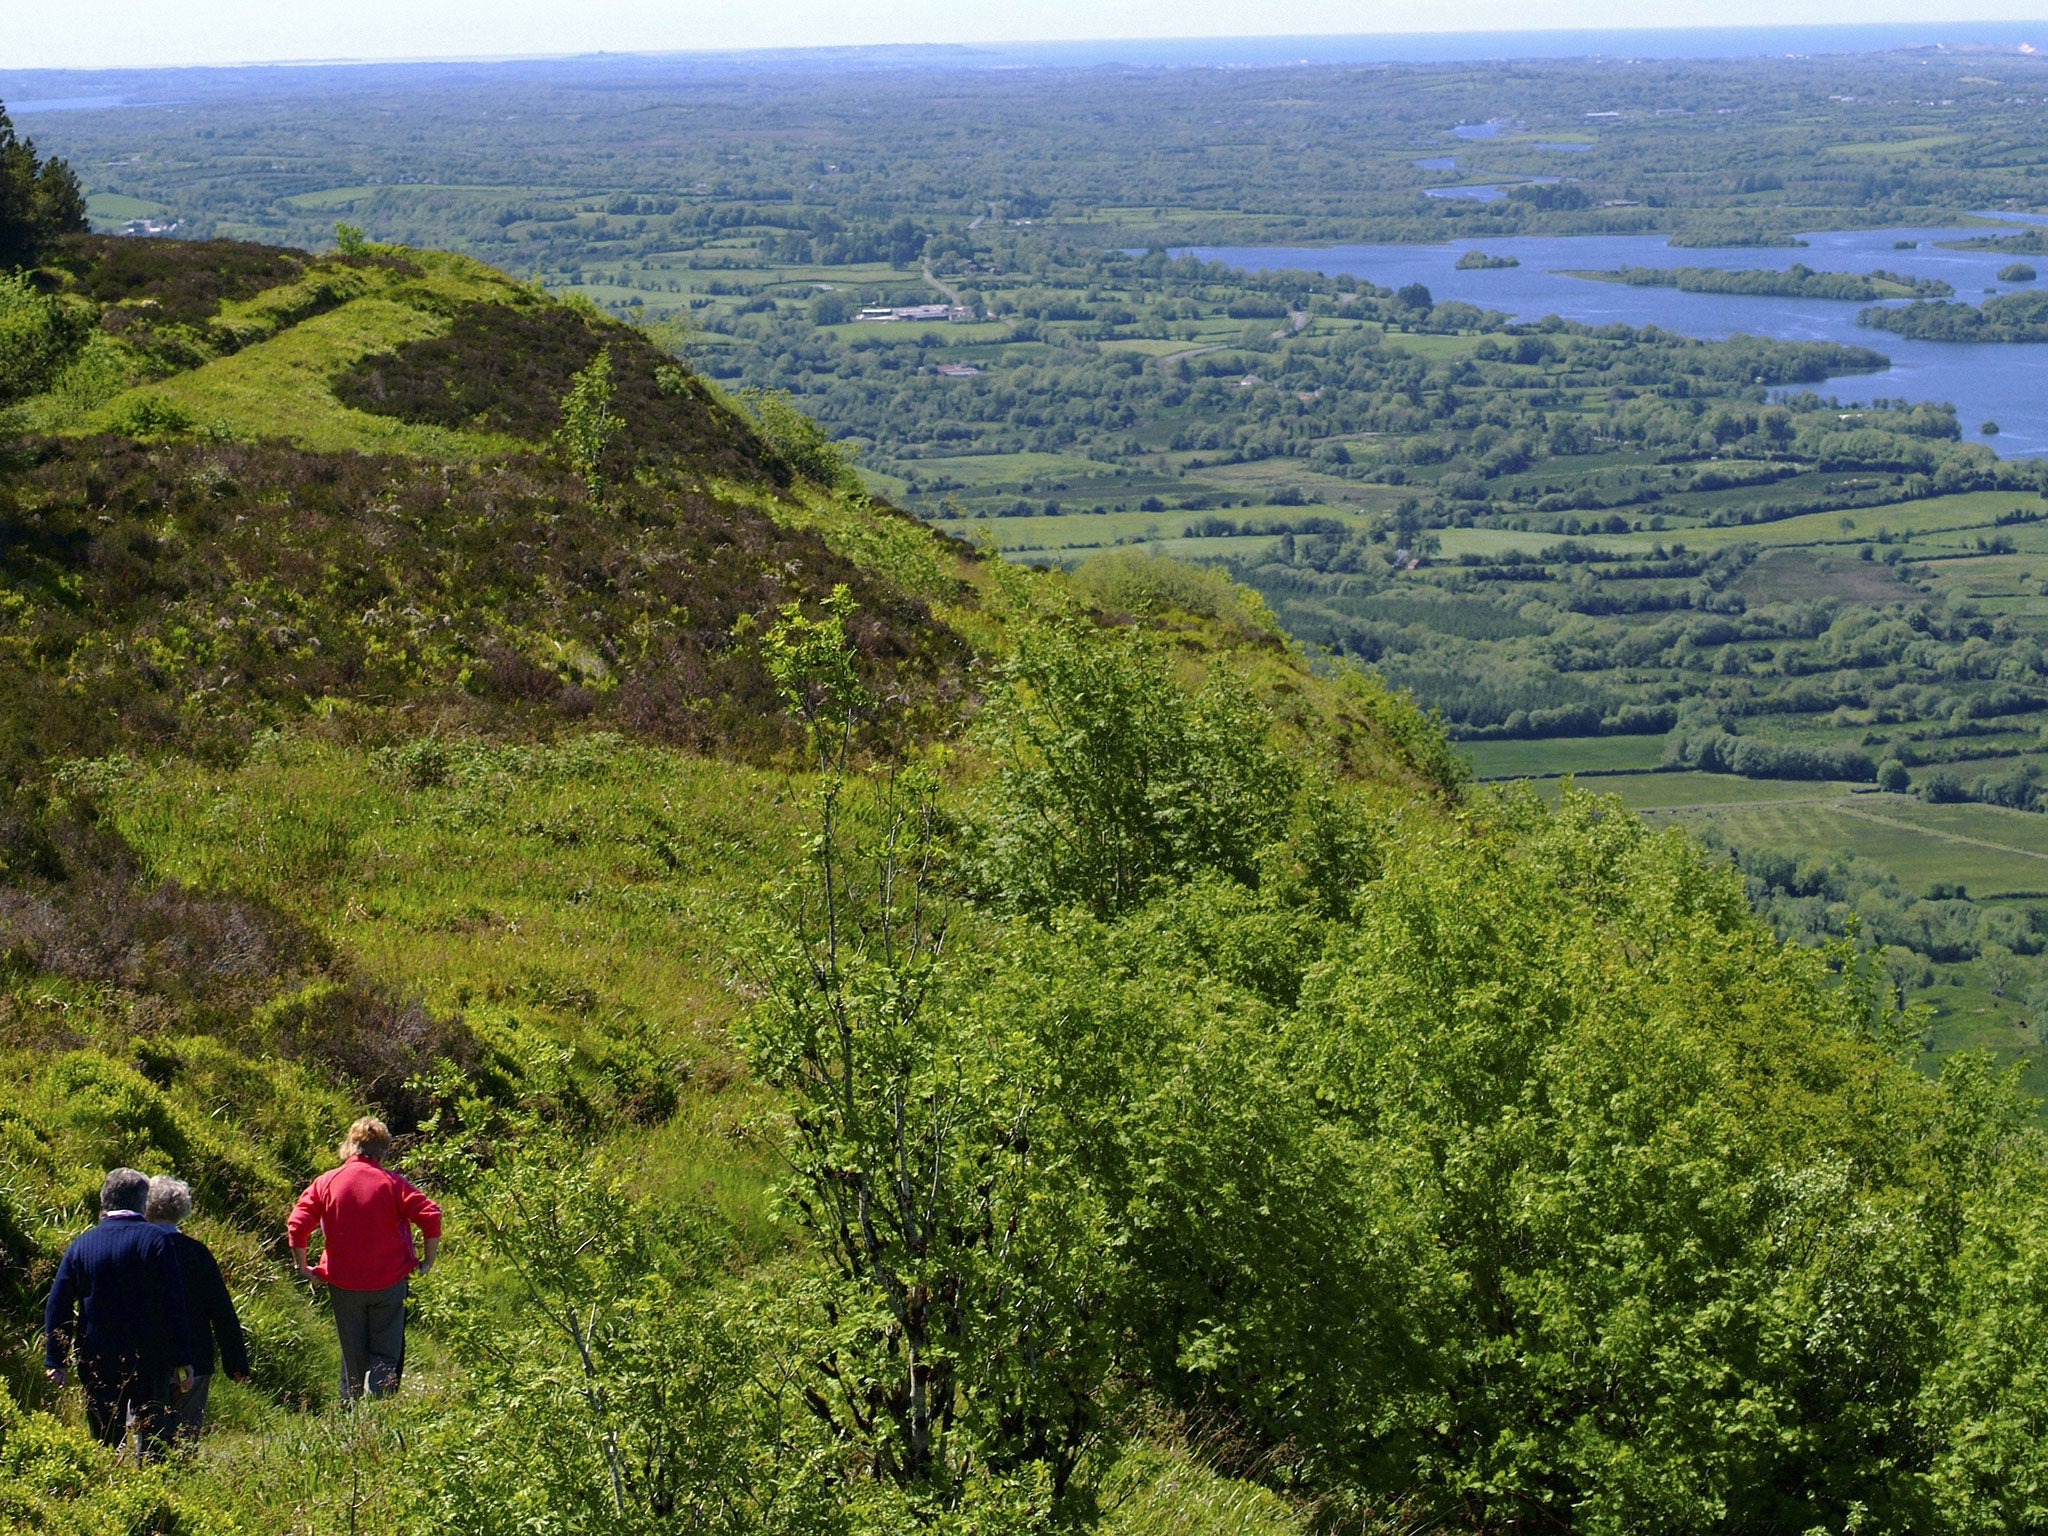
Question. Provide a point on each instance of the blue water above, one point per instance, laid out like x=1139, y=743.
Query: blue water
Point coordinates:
x=2002, y=382
x=64, y=104
x=1485, y=191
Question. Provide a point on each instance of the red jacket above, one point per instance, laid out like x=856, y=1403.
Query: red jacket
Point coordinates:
x=367, y=1214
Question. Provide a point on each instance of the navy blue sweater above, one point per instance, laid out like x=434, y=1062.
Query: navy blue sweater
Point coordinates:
x=118, y=1301
x=209, y=1309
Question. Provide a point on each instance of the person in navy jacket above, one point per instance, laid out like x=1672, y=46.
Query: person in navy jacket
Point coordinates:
x=117, y=1307
x=209, y=1309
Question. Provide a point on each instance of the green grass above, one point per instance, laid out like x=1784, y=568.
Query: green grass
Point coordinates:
x=1494, y=542
x=1010, y=468
x=1989, y=850
x=280, y=386
x=330, y=198
x=1149, y=346
x=1878, y=147
x=949, y=332
x=1932, y=515
x=595, y=887
x=1094, y=530
x=1687, y=791
x=1436, y=349
x=2024, y=831
x=1169, y=1491
x=118, y=207
x=1968, y=1016
x=1563, y=754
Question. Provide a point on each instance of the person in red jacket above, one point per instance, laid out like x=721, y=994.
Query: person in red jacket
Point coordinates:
x=366, y=1214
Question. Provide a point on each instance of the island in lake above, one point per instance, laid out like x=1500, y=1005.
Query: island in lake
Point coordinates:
x=2009, y=317
x=1797, y=281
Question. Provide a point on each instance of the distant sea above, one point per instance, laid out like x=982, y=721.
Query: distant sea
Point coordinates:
x=34, y=92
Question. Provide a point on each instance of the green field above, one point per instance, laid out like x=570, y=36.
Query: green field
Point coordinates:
x=1993, y=852
x=1563, y=754
x=116, y=208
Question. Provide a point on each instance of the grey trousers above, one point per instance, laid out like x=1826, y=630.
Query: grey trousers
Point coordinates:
x=372, y=1329
x=192, y=1407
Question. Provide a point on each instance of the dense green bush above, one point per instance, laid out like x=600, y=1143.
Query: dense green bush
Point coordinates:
x=1113, y=782
x=1533, y=1174
x=38, y=335
x=799, y=442
x=1137, y=581
x=54, y=1479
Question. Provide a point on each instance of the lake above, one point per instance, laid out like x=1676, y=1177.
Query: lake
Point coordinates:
x=2006, y=383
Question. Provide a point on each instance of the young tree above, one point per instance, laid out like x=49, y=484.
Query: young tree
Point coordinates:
x=799, y=441
x=954, y=1312
x=608, y=1381
x=588, y=424
x=2000, y=966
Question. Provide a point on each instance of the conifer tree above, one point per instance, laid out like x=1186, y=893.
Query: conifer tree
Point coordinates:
x=39, y=199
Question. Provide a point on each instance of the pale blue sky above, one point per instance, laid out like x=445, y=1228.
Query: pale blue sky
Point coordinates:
x=130, y=33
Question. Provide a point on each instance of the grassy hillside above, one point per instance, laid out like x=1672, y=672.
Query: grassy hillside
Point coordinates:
x=906, y=1041
x=365, y=759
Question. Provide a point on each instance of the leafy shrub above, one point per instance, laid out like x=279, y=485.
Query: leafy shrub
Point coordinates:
x=152, y=416
x=1111, y=782
x=587, y=422
x=1717, y=751
x=1359, y=1189
x=799, y=442
x=610, y=1389
x=39, y=334
x=55, y=1479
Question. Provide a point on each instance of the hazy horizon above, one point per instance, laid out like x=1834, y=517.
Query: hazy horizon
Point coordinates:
x=1465, y=29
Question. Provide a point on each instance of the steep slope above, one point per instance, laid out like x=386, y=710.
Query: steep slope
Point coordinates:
x=907, y=1042
x=268, y=546
x=367, y=751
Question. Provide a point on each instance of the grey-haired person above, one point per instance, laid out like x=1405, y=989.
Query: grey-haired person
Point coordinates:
x=117, y=1310
x=209, y=1309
